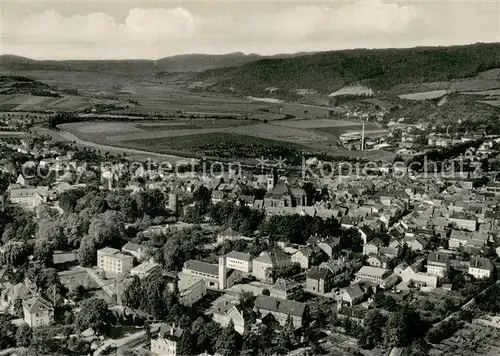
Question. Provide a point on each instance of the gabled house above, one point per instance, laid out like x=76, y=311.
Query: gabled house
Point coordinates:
x=37, y=312
x=284, y=289
x=377, y=261
x=282, y=309
x=136, y=250
x=225, y=311
x=415, y=243
x=308, y=256
x=372, y=247
x=481, y=267
x=263, y=265
x=11, y=293
x=166, y=343
x=319, y=280
x=438, y=264
x=228, y=235
x=366, y=233
x=330, y=246
x=352, y=295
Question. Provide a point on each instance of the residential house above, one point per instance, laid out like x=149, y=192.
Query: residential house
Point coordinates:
x=414, y=274
x=352, y=295
x=463, y=221
x=136, y=250
x=111, y=260
x=353, y=314
x=263, y=265
x=415, y=243
x=166, y=343
x=228, y=235
x=372, y=247
x=377, y=261
x=319, y=280
x=247, y=200
x=481, y=267
x=225, y=311
x=217, y=196
x=191, y=289
x=284, y=289
x=29, y=198
x=308, y=256
x=281, y=309
x=330, y=246
x=366, y=233
x=11, y=293
x=438, y=264
x=37, y=312
x=469, y=240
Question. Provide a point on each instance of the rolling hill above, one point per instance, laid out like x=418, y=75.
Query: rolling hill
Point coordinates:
x=380, y=69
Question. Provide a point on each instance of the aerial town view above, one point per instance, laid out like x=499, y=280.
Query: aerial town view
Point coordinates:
x=249, y=178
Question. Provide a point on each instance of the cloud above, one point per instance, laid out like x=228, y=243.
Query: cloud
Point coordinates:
x=266, y=28
x=354, y=18
x=140, y=25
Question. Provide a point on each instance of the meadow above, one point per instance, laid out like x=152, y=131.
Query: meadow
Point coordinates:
x=224, y=138
x=221, y=145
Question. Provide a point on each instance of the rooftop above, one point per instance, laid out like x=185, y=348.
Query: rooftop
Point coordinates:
x=284, y=306
x=204, y=267
x=239, y=256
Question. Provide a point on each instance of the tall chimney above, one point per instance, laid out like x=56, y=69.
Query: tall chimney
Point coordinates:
x=363, y=137
x=222, y=273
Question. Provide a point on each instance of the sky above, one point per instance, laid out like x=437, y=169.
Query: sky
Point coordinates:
x=114, y=29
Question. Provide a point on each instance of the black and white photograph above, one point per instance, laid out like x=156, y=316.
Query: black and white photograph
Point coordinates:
x=235, y=177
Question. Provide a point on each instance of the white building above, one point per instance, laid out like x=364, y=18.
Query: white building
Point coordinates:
x=480, y=268
x=166, y=342
x=145, y=269
x=37, y=312
x=438, y=264
x=372, y=274
x=239, y=261
x=216, y=277
x=225, y=311
x=111, y=260
x=29, y=198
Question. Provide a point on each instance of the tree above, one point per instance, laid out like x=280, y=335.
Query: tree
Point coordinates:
x=107, y=229
x=18, y=308
x=7, y=332
x=44, y=253
x=134, y=293
x=227, y=341
x=289, y=333
x=87, y=252
x=372, y=334
x=403, y=326
x=94, y=314
x=74, y=228
x=23, y=335
x=185, y=344
x=15, y=254
x=207, y=336
x=155, y=287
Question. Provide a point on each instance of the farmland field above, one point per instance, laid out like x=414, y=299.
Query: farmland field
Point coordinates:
x=220, y=145
x=223, y=138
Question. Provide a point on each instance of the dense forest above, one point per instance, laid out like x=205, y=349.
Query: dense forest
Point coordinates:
x=381, y=68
